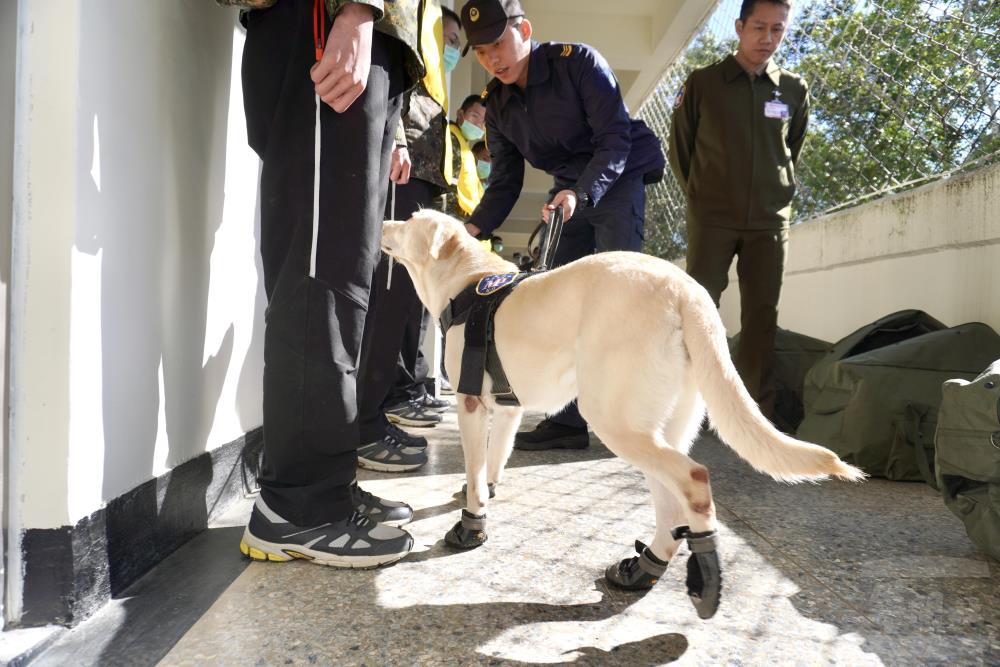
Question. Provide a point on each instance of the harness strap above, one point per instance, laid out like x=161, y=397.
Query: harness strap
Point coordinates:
x=480, y=356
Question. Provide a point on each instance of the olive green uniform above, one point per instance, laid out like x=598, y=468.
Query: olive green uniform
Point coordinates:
x=734, y=144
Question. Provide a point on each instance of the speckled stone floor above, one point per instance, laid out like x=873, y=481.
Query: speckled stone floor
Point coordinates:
x=869, y=574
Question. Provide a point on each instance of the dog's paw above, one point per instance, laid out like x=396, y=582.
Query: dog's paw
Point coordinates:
x=468, y=533
x=704, y=573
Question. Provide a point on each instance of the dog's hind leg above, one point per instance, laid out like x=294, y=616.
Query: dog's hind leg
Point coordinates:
x=687, y=481
x=473, y=425
x=501, y=442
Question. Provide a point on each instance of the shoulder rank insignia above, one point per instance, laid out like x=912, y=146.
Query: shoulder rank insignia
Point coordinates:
x=491, y=284
x=566, y=50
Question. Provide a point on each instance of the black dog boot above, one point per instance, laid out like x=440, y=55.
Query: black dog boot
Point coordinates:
x=468, y=533
x=491, y=486
x=704, y=574
x=638, y=573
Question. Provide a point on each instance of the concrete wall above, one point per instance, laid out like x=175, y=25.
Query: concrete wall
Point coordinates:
x=936, y=248
x=137, y=304
x=8, y=40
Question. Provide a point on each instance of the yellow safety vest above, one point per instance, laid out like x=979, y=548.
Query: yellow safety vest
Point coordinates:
x=469, y=188
x=432, y=51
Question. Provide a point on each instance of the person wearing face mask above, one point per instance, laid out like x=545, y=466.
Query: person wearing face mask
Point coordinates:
x=483, y=164
x=468, y=128
x=559, y=107
x=394, y=391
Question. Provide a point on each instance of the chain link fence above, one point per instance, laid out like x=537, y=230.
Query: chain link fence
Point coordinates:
x=903, y=92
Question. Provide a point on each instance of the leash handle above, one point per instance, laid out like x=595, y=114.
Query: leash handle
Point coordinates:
x=550, y=240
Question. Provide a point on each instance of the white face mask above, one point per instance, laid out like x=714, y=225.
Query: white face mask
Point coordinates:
x=471, y=132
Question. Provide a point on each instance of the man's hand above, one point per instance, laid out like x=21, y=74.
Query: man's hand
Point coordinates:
x=399, y=170
x=342, y=73
x=472, y=229
x=564, y=198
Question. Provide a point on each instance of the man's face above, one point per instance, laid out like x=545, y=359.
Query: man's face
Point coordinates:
x=452, y=33
x=475, y=114
x=507, y=58
x=761, y=34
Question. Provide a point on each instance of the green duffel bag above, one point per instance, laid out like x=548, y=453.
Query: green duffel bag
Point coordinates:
x=794, y=355
x=893, y=328
x=877, y=410
x=967, y=457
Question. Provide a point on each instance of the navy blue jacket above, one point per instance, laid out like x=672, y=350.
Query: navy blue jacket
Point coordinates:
x=570, y=122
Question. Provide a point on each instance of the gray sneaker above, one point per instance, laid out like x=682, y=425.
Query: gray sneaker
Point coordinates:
x=354, y=542
x=390, y=454
x=412, y=413
x=380, y=510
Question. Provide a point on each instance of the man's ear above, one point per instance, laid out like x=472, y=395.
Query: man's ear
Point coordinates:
x=525, y=29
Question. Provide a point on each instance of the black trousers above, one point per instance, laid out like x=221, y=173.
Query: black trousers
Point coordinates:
x=391, y=346
x=314, y=324
x=616, y=223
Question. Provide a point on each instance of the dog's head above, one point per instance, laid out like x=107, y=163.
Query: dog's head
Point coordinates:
x=427, y=236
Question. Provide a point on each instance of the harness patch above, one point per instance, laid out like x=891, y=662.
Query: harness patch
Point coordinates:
x=494, y=283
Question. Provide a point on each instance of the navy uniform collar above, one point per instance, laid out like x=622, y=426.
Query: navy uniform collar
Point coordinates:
x=538, y=72
x=731, y=69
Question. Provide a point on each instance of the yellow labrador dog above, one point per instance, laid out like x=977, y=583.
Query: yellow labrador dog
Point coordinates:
x=602, y=329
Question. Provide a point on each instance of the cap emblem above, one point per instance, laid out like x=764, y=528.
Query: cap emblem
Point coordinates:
x=474, y=14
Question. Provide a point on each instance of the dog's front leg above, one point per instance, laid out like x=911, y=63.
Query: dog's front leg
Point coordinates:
x=473, y=425
x=501, y=442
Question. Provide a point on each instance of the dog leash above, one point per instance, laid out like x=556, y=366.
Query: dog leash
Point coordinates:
x=550, y=239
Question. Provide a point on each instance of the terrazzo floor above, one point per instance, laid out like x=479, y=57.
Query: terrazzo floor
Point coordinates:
x=829, y=574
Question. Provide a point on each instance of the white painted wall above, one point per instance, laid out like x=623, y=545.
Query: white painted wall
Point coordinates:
x=8, y=39
x=936, y=248
x=137, y=314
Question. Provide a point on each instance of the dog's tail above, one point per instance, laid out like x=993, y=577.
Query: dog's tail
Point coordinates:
x=735, y=414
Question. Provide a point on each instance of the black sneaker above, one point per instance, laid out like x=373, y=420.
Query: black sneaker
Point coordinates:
x=550, y=435
x=405, y=438
x=379, y=510
x=411, y=413
x=354, y=542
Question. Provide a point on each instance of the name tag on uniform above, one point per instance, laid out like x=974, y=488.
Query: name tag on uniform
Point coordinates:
x=776, y=110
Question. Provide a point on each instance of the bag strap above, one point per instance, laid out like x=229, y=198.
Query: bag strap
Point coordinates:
x=915, y=415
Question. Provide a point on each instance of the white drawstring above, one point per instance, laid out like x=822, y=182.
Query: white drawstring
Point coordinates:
x=315, y=229
x=392, y=216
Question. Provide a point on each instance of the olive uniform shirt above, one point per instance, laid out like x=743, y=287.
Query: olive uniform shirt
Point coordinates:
x=732, y=150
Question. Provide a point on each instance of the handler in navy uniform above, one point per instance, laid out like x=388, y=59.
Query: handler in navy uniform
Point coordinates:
x=559, y=107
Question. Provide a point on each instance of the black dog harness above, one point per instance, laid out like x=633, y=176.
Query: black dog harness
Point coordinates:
x=475, y=306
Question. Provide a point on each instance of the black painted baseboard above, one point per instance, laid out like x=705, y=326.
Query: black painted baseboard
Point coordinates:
x=69, y=572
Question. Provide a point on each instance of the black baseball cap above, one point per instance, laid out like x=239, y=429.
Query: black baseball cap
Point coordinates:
x=485, y=20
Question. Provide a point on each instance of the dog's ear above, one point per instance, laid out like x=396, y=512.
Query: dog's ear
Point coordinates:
x=443, y=242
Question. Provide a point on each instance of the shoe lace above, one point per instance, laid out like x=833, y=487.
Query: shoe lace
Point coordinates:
x=359, y=520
